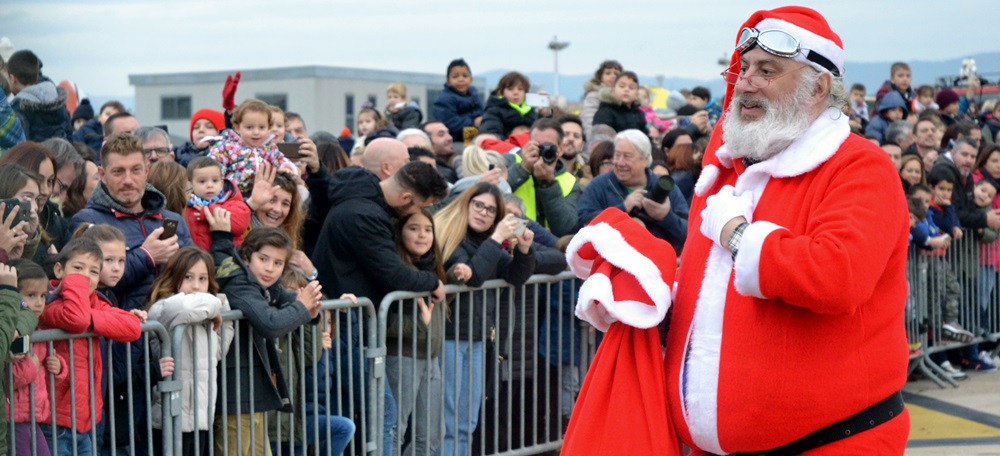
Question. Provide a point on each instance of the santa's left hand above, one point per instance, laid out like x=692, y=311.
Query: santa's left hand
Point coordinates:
x=721, y=208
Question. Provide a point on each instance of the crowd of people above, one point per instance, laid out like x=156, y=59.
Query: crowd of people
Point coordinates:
x=107, y=224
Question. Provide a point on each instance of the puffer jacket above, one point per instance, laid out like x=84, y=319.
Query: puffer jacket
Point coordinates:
x=24, y=322
x=591, y=101
x=878, y=124
x=488, y=260
x=239, y=218
x=240, y=161
x=76, y=311
x=616, y=115
x=500, y=118
x=26, y=373
x=457, y=111
x=189, y=152
x=91, y=134
x=42, y=110
x=194, y=368
x=408, y=117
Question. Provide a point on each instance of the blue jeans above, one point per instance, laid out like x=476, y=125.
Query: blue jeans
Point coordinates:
x=66, y=441
x=987, y=279
x=462, y=395
x=341, y=432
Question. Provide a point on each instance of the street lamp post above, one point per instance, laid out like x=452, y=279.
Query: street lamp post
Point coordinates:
x=557, y=46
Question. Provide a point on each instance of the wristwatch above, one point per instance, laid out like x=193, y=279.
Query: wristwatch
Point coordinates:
x=734, y=239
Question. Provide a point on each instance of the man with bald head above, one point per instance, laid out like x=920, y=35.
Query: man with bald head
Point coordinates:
x=384, y=156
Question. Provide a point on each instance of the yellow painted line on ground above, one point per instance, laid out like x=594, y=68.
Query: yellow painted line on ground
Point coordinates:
x=927, y=424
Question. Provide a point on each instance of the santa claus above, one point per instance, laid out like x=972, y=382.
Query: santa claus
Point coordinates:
x=787, y=331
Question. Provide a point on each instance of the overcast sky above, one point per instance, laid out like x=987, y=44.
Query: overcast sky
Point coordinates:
x=98, y=44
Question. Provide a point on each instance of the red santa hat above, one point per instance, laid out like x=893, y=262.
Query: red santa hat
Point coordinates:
x=628, y=275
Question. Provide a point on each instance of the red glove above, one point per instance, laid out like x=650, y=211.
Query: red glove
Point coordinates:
x=229, y=92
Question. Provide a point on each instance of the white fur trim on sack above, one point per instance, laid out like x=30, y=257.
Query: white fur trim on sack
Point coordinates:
x=747, y=275
x=808, y=40
x=611, y=245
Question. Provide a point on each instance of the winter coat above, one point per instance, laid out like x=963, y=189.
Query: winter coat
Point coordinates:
x=408, y=117
x=488, y=260
x=457, y=111
x=77, y=311
x=616, y=115
x=140, y=271
x=26, y=374
x=194, y=369
x=319, y=206
x=877, y=126
x=406, y=334
x=962, y=196
x=268, y=313
x=655, y=120
x=12, y=318
x=887, y=87
x=607, y=191
x=42, y=110
x=239, y=218
x=356, y=251
x=188, y=152
x=240, y=161
x=500, y=118
x=591, y=101
x=11, y=133
x=91, y=133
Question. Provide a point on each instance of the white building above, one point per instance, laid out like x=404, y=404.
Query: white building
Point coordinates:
x=327, y=98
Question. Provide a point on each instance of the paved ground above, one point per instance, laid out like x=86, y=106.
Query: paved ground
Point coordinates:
x=955, y=421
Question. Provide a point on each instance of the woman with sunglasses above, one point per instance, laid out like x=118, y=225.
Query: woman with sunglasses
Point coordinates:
x=479, y=243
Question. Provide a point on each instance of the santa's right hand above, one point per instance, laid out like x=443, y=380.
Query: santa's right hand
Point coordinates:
x=721, y=208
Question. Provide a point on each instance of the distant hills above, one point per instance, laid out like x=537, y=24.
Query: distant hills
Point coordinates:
x=871, y=74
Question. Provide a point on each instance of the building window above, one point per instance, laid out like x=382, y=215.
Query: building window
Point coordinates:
x=373, y=99
x=274, y=99
x=349, y=111
x=432, y=96
x=176, y=107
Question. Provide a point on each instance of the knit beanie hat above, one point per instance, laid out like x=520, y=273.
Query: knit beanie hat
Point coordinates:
x=945, y=97
x=83, y=111
x=216, y=117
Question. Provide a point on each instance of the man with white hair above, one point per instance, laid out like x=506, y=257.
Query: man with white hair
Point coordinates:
x=156, y=145
x=787, y=331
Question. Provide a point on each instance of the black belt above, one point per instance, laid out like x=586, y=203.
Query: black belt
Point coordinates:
x=862, y=421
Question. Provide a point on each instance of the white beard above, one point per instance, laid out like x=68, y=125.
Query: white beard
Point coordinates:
x=783, y=121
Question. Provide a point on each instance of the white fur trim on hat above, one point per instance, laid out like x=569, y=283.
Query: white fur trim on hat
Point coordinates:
x=808, y=40
x=611, y=245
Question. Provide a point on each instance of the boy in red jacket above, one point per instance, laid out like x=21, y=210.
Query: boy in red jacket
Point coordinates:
x=76, y=308
x=210, y=190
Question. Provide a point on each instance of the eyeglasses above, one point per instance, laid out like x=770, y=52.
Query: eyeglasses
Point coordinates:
x=782, y=44
x=62, y=186
x=757, y=80
x=161, y=151
x=481, y=207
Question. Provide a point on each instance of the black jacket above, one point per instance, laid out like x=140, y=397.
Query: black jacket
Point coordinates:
x=408, y=117
x=500, y=118
x=270, y=313
x=614, y=114
x=962, y=197
x=356, y=251
x=91, y=134
x=488, y=260
x=42, y=110
x=188, y=152
x=319, y=205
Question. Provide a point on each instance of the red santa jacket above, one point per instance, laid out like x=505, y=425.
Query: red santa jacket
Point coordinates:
x=806, y=328
x=239, y=212
x=77, y=311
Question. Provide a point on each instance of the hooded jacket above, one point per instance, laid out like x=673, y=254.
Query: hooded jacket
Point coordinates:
x=621, y=117
x=878, y=125
x=42, y=109
x=91, y=133
x=500, y=118
x=356, y=252
x=457, y=111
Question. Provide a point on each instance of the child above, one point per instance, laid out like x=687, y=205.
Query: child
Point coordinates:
x=31, y=391
x=948, y=101
x=414, y=338
x=604, y=78
x=891, y=109
x=205, y=125
x=369, y=120
x=924, y=100
x=278, y=130
x=899, y=82
x=858, y=104
x=506, y=112
x=186, y=293
x=619, y=107
x=401, y=111
x=656, y=125
x=249, y=278
x=989, y=250
x=459, y=105
x=208, y=191
x=76, y=308
x=249, y=144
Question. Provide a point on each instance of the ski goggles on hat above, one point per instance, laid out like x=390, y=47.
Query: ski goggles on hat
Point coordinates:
x=782, y=44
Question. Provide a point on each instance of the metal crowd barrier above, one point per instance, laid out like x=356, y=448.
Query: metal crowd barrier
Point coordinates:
x=524, y=365
x=960, y=287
